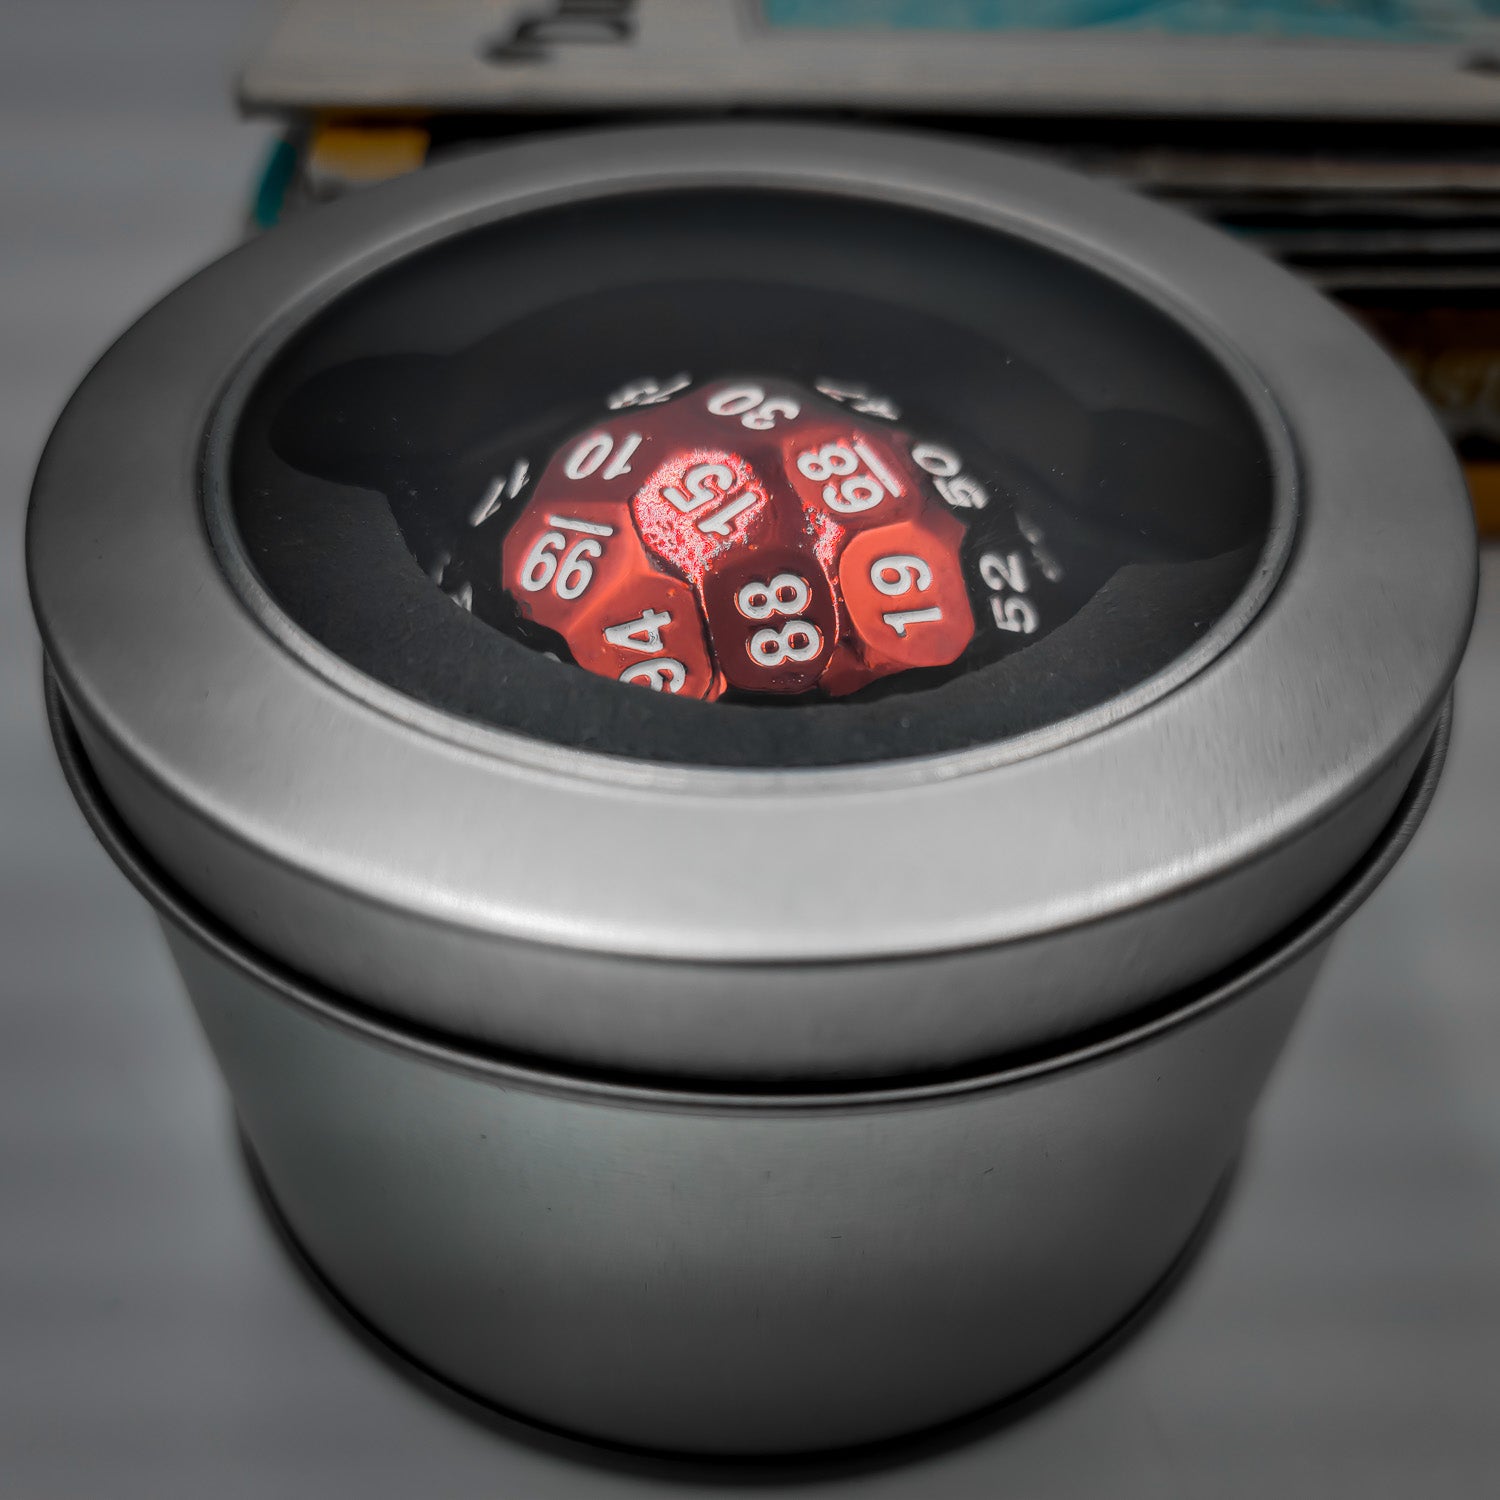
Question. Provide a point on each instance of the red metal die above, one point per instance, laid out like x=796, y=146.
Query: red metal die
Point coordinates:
x=582, y=571
x=605, y=462
x=903, y=587
x=846, y=671
x=848, y=478
x=711, y=494
x=773, y=620
x=698, y=506
x=738, y=409
x=742, y=535
x=558, y=558
x=647, y=630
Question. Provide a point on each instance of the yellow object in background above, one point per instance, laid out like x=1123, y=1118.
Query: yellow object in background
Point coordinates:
x=1484, y=491
x=350, y=152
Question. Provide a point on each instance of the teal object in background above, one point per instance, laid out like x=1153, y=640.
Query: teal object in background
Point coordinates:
x=275, y=178
x=1330, y=20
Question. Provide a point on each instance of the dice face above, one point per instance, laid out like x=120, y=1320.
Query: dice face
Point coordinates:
x=849, y=480
x=648, y=631
x=603, y=463
x=753, y=406
x=773, y=620
x=904, y=589
x=557, y=562
x=586, y=574
x=751, y=536
x=700, y=506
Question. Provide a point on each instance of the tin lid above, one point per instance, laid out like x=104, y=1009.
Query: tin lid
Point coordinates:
x=403, y=571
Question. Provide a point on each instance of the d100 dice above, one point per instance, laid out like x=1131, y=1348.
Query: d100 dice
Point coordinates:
x=773, y=620
x=748, y=533
x=904, y=589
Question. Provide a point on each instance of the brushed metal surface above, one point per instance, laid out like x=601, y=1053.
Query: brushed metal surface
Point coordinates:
x=729, y=1273
x=1279, y=760
x=737, y=1280
x=812, y=1022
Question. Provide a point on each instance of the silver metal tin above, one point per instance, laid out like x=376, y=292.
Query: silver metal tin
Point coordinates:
x=1005, y=900
x=733, y=1271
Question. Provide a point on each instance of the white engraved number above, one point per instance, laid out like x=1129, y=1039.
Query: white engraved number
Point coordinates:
x=1050, y=568
x=825, y=462
x=590, y=453
x=1013, y=612
x=705, y=482
x=575, y=573
x=541, y=561
x=661, y=675
x=647, y=392
x=797, y=640
x=785, y=594
x=718, y=523
x=962, y=491
x=900, y=573
x=858, y=399
x=500, y=489
x=904, y=573
x=899, y=619
x=752, y=406
x=642, y=634
x=859, y=490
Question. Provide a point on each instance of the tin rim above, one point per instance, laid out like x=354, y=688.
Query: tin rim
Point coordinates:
x=172, y=905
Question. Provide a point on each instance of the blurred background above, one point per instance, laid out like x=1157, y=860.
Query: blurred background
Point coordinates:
x=1339, y=1334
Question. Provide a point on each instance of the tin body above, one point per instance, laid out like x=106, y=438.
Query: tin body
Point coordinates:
x=737, y=1076
x=738, y=1272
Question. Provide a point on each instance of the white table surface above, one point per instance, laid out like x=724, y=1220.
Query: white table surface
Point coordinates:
x=1338, y=1336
